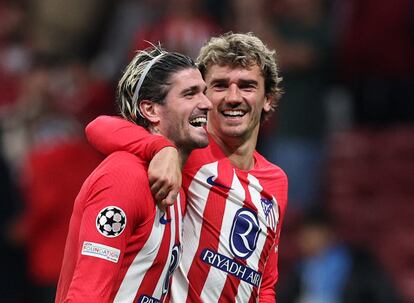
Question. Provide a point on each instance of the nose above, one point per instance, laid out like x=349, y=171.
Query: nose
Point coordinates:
x=233, y=93
x=205, y=103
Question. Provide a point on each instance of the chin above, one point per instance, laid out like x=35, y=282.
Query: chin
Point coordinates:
x=202, y=142
x=233, y=132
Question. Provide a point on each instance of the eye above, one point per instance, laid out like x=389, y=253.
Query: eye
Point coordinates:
x=248, y=87
x=219, y=86
x=189, y=94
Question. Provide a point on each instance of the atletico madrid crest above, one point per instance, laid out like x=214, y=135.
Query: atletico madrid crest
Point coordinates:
x=271, y=211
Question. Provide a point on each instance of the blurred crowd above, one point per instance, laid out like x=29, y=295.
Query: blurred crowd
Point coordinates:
x=347, y=66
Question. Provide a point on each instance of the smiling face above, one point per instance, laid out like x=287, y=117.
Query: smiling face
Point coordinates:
x=183, y=116
x=238, y=97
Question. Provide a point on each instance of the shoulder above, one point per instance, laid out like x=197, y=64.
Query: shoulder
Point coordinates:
x=202, y=156
x=123, y=169
x=125, y=164
x=199, y=157
x=120, y=180
x=268, y=168
x=273, y=179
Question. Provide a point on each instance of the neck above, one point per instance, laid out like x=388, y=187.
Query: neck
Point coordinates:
x=239, y=150
x=183, y=153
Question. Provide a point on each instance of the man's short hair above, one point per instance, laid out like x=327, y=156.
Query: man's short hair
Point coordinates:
x=148, y=77
x=243, y=50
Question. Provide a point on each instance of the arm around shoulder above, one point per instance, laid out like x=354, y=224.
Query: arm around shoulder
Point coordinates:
x=109, y=133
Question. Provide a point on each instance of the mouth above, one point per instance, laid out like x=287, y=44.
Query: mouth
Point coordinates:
x=233, y=113
x=199, y=121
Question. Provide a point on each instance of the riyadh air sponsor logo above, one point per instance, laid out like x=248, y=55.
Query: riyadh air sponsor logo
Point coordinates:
x=147, y=299
x=232, y=267
x=244, y=233
x=163, y=220
x=217, y=184
x=272, y=214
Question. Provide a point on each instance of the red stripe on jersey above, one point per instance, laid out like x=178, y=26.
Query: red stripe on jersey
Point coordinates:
x=267, y=248
x=253, y=297
x=210, y=230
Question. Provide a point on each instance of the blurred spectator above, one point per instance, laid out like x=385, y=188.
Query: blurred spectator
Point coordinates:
x=330, y=271
x=14, y=51
x=251, y=16
x=184, y=28
x=15, y=61
x=57, y=160
x=12, y=262
x=177, y=24
x=375, y=52
x=68, y=29
x=81, y=93
x=295, y=138
x=128, y=17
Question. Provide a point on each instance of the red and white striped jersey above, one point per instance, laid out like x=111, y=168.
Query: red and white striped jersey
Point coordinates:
x=231, y=229
x=232, y=223
x=120, y=246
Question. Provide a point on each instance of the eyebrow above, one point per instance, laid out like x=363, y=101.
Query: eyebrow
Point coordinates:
x=248, y=82
x=240, y=82
x=193, y=89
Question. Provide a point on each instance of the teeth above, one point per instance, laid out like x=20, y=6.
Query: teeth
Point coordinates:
x=198, y=121
x=233, y=113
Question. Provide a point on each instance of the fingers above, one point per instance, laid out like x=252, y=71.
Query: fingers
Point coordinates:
x=165, y=189
x=168, y=201
x=159, y=191
x=162, y=207
x=159, y=196
x=170, y=198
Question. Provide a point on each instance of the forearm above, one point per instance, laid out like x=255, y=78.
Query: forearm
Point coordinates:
x=108, y=134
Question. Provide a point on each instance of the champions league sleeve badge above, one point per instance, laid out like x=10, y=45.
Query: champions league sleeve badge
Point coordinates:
x=111, y=221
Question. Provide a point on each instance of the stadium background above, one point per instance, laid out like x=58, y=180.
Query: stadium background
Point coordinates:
x=343, y=131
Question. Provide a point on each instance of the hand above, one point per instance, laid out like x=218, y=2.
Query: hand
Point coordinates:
x=164, y=175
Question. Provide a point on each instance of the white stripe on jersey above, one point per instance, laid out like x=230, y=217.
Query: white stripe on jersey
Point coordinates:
x=142, y=261
x=212, y=294
x=179, y=289
x=180, y=218
x=179, y=285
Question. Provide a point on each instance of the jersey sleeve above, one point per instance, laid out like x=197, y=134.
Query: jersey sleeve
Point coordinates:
x=108, y=219
x=267, y=293
x=108, y=134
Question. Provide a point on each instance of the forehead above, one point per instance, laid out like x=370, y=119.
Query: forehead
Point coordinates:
x=186, y=78
x=231, y=73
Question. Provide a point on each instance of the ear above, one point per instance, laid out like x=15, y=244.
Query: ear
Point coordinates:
x=149, y=111
x=267, y=106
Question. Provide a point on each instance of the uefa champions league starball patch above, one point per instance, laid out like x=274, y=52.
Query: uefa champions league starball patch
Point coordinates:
x=111, y=221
